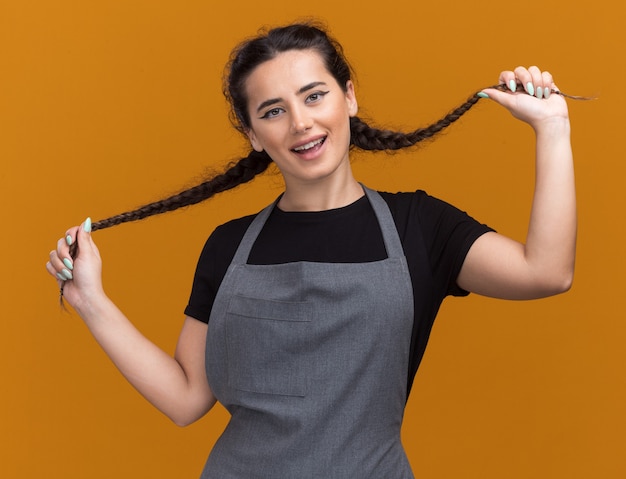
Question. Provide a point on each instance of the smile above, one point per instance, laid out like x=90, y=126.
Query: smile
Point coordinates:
x=309, y=145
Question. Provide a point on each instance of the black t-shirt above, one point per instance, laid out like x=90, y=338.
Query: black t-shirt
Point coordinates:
x=435, y=237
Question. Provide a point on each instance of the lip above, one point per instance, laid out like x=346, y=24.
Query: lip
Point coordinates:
x=304, y=142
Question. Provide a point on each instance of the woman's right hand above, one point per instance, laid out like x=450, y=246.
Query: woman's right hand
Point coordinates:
x=175, y=385
x=80, y=278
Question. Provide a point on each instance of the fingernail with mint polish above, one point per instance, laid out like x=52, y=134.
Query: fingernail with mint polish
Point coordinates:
x=546, y=93
x=61, y=277
x=512, y=85
x=481, y=94
x=67, y=274
x=539, y=93
x=87, y=225
x=67, y=262
x=530, y=89
x=68, y=240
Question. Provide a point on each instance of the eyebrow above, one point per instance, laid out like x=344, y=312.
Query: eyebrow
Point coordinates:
x=305, y=88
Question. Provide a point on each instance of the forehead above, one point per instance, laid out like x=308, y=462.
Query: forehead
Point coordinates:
x=286, y=73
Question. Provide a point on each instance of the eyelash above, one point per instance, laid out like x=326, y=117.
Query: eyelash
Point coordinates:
x=273, y=112
x=268, y=114
x=320, y=94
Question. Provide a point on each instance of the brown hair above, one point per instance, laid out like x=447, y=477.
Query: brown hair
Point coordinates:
x=244, y=59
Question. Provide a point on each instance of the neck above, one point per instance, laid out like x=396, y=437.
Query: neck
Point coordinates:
x=321, y=195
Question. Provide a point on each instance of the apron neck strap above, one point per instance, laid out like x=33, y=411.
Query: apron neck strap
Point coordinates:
x=381, y=210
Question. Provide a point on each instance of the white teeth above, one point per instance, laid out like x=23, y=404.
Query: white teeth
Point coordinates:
x=309, y=145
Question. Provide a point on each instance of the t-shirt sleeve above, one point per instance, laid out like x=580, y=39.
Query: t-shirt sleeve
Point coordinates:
x=449, y=233
x=453, y=236
x=216, y=256
x=445, y=232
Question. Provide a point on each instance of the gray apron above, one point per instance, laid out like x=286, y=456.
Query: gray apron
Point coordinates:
x=311, y=361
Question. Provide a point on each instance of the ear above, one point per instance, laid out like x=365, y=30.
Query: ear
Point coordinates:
x=256, y=145
x=353, y=106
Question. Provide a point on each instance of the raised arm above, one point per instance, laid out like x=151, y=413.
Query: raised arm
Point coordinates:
x=177, y=385
x=501, y=267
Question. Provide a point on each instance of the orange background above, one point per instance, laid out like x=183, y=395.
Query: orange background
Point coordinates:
x=108, y=105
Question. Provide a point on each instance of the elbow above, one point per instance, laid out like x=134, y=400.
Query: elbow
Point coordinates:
x=566, y=279
x=568, y=282
x=564, y=285
x=185, y=416
x=183, y=420
x=558, y=283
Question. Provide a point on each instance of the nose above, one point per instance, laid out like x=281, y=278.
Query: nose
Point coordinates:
x=301, y=121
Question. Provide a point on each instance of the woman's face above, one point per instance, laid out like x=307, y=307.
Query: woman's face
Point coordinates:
x=300, y=116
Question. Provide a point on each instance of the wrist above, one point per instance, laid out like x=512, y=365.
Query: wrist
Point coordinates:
x=92, y=306
x=553, y=126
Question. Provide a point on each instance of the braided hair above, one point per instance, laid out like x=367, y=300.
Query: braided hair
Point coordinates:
x=243, y=60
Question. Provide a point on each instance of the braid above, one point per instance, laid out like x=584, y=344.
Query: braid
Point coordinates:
x=236, y=174
x=368, y=138
x=362, y=136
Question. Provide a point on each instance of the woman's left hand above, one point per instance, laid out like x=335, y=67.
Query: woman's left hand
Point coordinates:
x=531, y=96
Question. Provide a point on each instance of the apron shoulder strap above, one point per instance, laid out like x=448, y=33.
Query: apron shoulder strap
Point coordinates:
x=242, y=253
x=381, y=210
x=386, y=222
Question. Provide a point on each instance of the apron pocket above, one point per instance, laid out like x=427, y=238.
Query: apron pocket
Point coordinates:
x=267, y=345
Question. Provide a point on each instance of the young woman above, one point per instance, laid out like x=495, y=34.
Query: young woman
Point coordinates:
x=308, y=321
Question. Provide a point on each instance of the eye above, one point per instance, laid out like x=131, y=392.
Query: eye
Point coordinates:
x=272, y=113
x=315, y=97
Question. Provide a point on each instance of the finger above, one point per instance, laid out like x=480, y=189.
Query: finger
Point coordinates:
x=70, y=239
x=65, y=255
x=62, y=265
x=67, y=243
x=55, y=271
x=525, y=78
x=548, y=84
x=537, y=80
x=85, y=241
x=508, y=78
x=83, y=235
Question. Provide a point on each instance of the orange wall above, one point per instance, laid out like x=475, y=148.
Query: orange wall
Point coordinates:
x=106, y=105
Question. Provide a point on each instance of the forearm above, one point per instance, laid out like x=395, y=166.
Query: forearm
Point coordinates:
x=551, y=239
x=159, y=377
x=175, y=385
x=500, y=267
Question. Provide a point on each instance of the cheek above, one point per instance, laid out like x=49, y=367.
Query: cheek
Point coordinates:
x=343, y=126
x=268, y=138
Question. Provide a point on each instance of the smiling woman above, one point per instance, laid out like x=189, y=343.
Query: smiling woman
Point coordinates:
x=308, y=321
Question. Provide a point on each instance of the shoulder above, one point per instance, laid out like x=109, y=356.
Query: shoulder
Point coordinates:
x=221, y=245
x=436, y=222
x=403, y=198
x=232, y=230
x=418, y=198
x=418, y=206
x=216, y=255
